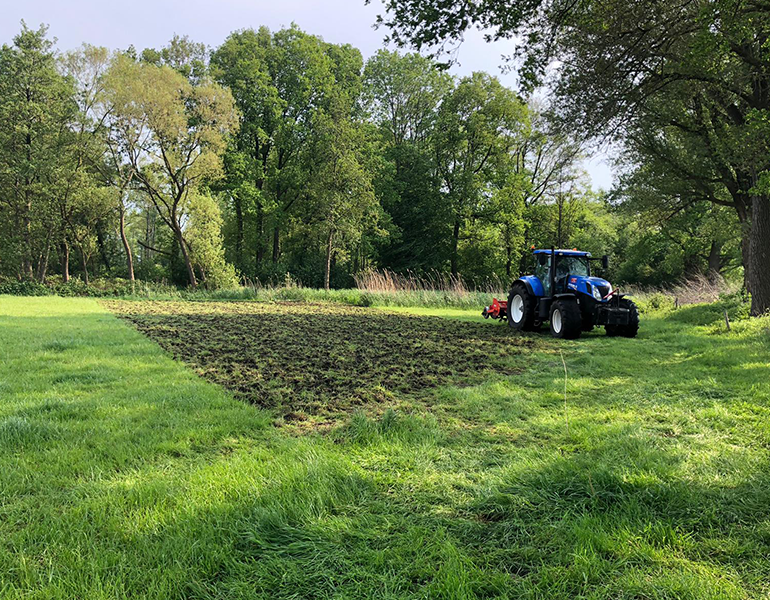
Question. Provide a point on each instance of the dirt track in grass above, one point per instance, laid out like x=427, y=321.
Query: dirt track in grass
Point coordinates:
x=322, y=359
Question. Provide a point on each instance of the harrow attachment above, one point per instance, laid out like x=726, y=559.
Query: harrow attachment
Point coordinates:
x=497, y=310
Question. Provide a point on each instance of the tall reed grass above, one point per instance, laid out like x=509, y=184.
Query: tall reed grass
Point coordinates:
x=385, y=281
x=374, y=288
x=698, y=289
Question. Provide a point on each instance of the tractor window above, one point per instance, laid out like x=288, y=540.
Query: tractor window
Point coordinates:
x=572, y=265
x=542, y=266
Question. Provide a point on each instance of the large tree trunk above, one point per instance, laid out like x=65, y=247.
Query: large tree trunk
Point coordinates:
x=186, y=255
x=329, y=246
x=759, y=255
x=127, y=247
x=455, y=246
x=715, y=260
x=64, y=256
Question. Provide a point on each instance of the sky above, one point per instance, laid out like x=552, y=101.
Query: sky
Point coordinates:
x=152, y=23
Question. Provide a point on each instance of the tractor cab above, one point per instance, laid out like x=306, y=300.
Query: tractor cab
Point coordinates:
x=563, y=290
x=568, y=263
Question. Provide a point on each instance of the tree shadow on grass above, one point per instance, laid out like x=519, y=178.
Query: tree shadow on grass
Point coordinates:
x=629, y=516
x=618, y=521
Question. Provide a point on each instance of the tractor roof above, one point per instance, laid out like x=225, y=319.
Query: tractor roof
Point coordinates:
x=564, y=252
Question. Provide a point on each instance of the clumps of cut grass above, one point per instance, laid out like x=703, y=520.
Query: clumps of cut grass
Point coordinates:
x=391, y=426
x=154, y=483
x=324, y=359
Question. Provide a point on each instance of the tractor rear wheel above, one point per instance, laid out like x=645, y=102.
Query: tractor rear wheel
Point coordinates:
x=521, y=308
x=566, y=320
x=632, y=328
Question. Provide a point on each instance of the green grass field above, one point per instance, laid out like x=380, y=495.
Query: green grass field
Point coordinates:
x=123, y=474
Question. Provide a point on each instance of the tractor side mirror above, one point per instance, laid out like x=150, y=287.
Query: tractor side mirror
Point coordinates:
x=605, y=262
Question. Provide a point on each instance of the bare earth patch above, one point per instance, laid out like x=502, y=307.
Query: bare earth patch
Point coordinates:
x=322, y=359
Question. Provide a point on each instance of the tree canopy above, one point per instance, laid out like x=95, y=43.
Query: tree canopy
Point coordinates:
x=684, y=86
x=279, y=156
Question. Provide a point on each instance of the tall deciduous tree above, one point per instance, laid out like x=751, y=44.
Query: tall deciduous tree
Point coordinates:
x=343, y=199
x=279, y=81
x=173, y=133
x=36, y=108
x=82, y=205
x=402, y=94
x=476, y=130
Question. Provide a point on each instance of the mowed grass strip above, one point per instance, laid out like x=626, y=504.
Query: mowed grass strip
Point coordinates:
x=325, y=359
x=125, y=475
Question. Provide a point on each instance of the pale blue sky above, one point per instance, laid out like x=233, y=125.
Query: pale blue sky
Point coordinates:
x=152, y=23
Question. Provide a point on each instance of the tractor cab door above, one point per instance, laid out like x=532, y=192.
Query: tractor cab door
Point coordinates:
x=543, y=271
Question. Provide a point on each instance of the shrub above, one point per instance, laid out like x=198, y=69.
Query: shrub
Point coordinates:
x=24, y=288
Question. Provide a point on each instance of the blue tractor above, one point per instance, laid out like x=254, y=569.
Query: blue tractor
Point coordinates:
x=563, y=292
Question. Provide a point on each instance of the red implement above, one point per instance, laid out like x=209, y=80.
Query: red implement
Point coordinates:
x=497, y=310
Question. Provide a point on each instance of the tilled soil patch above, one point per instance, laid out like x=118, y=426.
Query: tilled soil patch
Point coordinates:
x=321, y=359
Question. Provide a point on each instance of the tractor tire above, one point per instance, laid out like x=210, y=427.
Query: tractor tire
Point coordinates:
x=632, y=328
x=521, y=308
x=566, y=320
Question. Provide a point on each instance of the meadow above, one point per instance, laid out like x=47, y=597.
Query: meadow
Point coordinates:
x=159, y=450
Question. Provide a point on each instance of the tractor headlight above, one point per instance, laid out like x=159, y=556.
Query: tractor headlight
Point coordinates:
x=597, y=294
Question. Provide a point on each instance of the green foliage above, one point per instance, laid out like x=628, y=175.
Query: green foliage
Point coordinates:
x=655, y=302
x=736, y=306
x=55, y=286
x=694, y=119
x=402, y=94
x=35, y=100
x=474, y=130
x=172, y=132
x=325, y=167
x=203, y=233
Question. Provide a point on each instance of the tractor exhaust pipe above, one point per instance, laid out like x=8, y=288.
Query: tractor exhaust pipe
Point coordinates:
x=553, y=271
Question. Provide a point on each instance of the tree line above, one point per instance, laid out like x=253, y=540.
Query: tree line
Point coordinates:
x=684, y=85
x=278, y=155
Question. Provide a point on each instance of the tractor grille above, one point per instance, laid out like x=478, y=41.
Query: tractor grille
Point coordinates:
x=603, y=290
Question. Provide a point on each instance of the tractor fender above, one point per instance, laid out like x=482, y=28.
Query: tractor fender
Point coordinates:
x=527, y=284
x=533, y=285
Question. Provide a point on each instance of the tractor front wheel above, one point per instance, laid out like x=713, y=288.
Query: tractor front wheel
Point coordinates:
x=521, y=308
x=632, y=328
x=566, y=320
